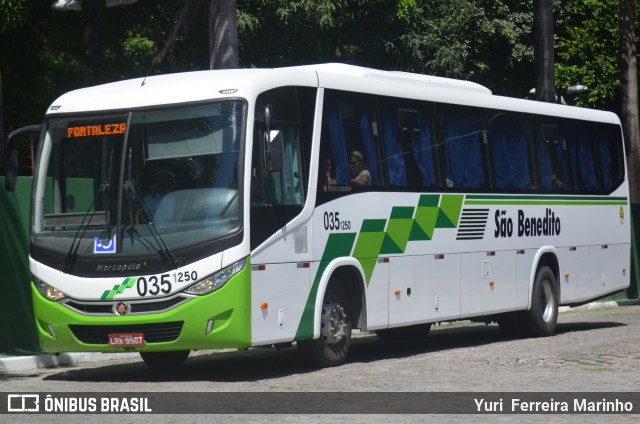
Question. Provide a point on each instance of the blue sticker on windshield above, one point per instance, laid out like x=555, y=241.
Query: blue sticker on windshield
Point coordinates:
x=106, y=247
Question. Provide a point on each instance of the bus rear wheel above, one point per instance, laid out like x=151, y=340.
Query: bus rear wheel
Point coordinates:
x=170, y=359
x=332, y=347
x=541, y=319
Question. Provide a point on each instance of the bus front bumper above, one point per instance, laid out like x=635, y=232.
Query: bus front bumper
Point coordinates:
x=221, y=319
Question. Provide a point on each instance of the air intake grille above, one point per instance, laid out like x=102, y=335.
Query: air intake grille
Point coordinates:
x=108, y=308
x=153, y=333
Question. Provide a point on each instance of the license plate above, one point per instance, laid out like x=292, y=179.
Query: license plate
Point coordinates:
x=126, y=339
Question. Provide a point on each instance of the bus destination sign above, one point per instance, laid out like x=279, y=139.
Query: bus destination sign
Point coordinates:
x=96, y=130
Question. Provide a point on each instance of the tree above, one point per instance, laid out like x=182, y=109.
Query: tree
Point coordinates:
x=223, y=30
x=629, y=109
x=587, y=50
x=543, y=50
x=223, y=35
x=629, y=115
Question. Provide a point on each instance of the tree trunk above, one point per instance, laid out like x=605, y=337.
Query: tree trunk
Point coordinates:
x=543, y=50
x=223, y=35
x=629, y=107
x=630, y=128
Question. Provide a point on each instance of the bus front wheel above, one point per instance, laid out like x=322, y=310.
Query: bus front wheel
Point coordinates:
x=541, y=319
x=160, y=360
x=332, y=347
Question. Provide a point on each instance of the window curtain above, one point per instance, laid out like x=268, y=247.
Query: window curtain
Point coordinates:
x=551, y=157
x=394, y=159
x=608, y=153
x=286, y=183
x=422, y=145
x=463, y=152
x=338, y=144
x=368, y=142
x=583, y=171
x=510, y=153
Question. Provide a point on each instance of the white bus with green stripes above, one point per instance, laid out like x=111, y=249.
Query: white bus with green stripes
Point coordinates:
x=267, y=207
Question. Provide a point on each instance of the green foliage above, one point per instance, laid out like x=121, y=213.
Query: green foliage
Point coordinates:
x=44, y=52
x=138, y=52
x=587, y=42
x=12, y=14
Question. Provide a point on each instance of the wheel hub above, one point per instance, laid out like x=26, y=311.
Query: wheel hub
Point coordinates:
x=334, y=322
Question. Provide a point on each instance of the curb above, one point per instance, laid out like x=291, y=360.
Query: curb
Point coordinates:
x=16, y=364
x=25, y=363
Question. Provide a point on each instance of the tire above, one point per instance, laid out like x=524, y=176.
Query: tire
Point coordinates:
x=541, y=319
x=412, y=333
x=332, y=347
x=164, y=360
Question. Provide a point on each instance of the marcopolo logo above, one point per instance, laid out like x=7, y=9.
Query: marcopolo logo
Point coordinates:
x=528, y=226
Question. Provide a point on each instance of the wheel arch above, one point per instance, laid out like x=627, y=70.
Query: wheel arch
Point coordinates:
x=351, y=275
x=546, y=256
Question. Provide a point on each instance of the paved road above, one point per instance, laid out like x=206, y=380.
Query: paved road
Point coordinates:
x=594, y=350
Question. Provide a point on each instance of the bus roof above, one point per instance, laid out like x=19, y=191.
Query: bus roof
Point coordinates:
x=203, y=85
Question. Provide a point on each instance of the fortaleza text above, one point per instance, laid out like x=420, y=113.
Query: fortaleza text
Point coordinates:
x=578, y=405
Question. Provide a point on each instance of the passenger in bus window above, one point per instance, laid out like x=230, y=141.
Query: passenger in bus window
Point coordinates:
x=360, y=174
x=328, y=170
x=558, y=183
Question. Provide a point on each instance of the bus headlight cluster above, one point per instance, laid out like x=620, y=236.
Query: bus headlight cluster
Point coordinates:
x=48, y=291
x=217, y=280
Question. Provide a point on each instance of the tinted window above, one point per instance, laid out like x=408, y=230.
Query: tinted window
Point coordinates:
x=410, y=154
x=509, y=140
x=463, y=139
x=611, y=158
x=551, y=155
x=584, y=174
x=349, y=127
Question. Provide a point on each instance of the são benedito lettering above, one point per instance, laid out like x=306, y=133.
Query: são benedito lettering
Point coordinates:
x=549, y=225
x=528, y=226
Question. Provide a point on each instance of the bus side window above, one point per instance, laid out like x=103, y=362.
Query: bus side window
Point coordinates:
x=349, y=124
x=509, y=140
x=584, y=174
x=551, y=153
x=463, y=139
x=407, y=129
x=611, y=159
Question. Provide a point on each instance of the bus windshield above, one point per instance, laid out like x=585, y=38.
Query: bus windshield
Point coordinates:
x=139, y=182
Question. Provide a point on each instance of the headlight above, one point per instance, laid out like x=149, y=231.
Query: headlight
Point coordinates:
x=48, y=291
x=217, y=280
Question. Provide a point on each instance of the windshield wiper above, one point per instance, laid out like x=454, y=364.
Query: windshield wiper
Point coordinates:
x=104, y=188
x=164, y=250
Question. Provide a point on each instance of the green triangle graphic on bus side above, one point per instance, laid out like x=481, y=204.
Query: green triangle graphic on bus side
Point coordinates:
x=417, y=233
x=369, y=245
x=450, y=207
x=398, y=229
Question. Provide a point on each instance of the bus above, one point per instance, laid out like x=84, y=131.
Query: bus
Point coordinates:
x=266, y=207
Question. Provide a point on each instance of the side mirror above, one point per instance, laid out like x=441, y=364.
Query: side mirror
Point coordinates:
x=266, y=114
x=273, y=150
x=12, y=154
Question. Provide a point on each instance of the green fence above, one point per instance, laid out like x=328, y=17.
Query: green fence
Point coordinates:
x=17, y=327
